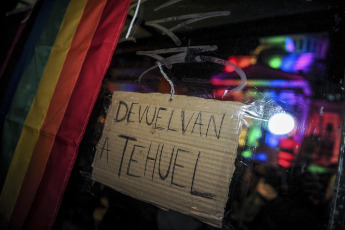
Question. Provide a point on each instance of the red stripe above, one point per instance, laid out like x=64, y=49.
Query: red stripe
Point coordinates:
x=57, y=107
x=60, y=163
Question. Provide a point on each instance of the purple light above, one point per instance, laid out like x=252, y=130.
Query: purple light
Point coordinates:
x=303, y=61
x=289, y=45
x=265, y=83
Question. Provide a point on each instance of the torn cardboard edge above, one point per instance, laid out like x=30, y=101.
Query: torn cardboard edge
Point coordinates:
x=177, y=154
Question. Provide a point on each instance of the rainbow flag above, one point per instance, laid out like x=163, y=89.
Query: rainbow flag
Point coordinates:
x=48, y=109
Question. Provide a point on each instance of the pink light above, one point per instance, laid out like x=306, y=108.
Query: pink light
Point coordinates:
x=289, y=44
x=217, y=82
x=303, y=61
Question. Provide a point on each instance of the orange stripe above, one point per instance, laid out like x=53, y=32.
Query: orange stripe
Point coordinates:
x=57, y=107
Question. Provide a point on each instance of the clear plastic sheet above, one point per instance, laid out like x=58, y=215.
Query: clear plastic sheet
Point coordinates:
x=290, y=83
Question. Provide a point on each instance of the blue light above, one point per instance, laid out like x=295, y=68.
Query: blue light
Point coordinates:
x=271, y=94
x=272, y=140
x=289, y=45
x=260, y=156
x=289, y=62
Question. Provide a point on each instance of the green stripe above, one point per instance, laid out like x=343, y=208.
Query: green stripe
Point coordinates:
x=29, y=82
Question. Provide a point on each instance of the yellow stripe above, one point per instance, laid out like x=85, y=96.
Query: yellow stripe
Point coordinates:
x=38, y=110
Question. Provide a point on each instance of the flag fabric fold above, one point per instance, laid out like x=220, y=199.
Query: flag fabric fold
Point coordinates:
x=20, y=83
x=57, y=92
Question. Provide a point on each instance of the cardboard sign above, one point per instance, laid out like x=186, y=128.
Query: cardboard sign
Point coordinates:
x=176, y=154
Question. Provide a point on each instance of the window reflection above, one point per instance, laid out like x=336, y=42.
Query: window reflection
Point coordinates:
x=283, y=180
x=291, y=170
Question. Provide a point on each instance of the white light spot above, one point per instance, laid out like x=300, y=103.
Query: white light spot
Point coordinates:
x=281, y=123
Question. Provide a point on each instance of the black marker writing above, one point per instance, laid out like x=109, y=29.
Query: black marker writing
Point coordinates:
x=142, y=115
x=122, y=104
x=159, y=164
x=178, y=165
x=153, y=116
x=158, y=117
x=124, y=149
x=171, y=119
x=132, y=160
x=198, y=121
x=184, y=128
x=192, y=190
x=106, y=149
x=130, y=112
x=171, y=115
x=152, y=159
x=215, y=126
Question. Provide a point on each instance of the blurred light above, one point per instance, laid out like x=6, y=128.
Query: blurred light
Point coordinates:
x=330, y=97
x=240, y=61
x=303, y=61
x=276, y=40
x=260, y=157
x=275, y=62
x=247, y=153
x=242, y=138
x=289, y=63
x=241, y=142
x=304, y=47
x=254, y=134
x=271, y=94
x=289, y=44
x=303, y=85
x=123, y=87
x=231, y=68
x=111, y=86
x=317, y=169
x=281, y=123
x=244, y=61
x=286, y=156
x=219, y=93
x=218, y=81
x=284, y=163
x=287, y=143
x=271, y=140
x=288, y=96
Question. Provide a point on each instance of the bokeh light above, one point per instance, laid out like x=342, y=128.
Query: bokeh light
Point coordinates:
x=281, y=123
